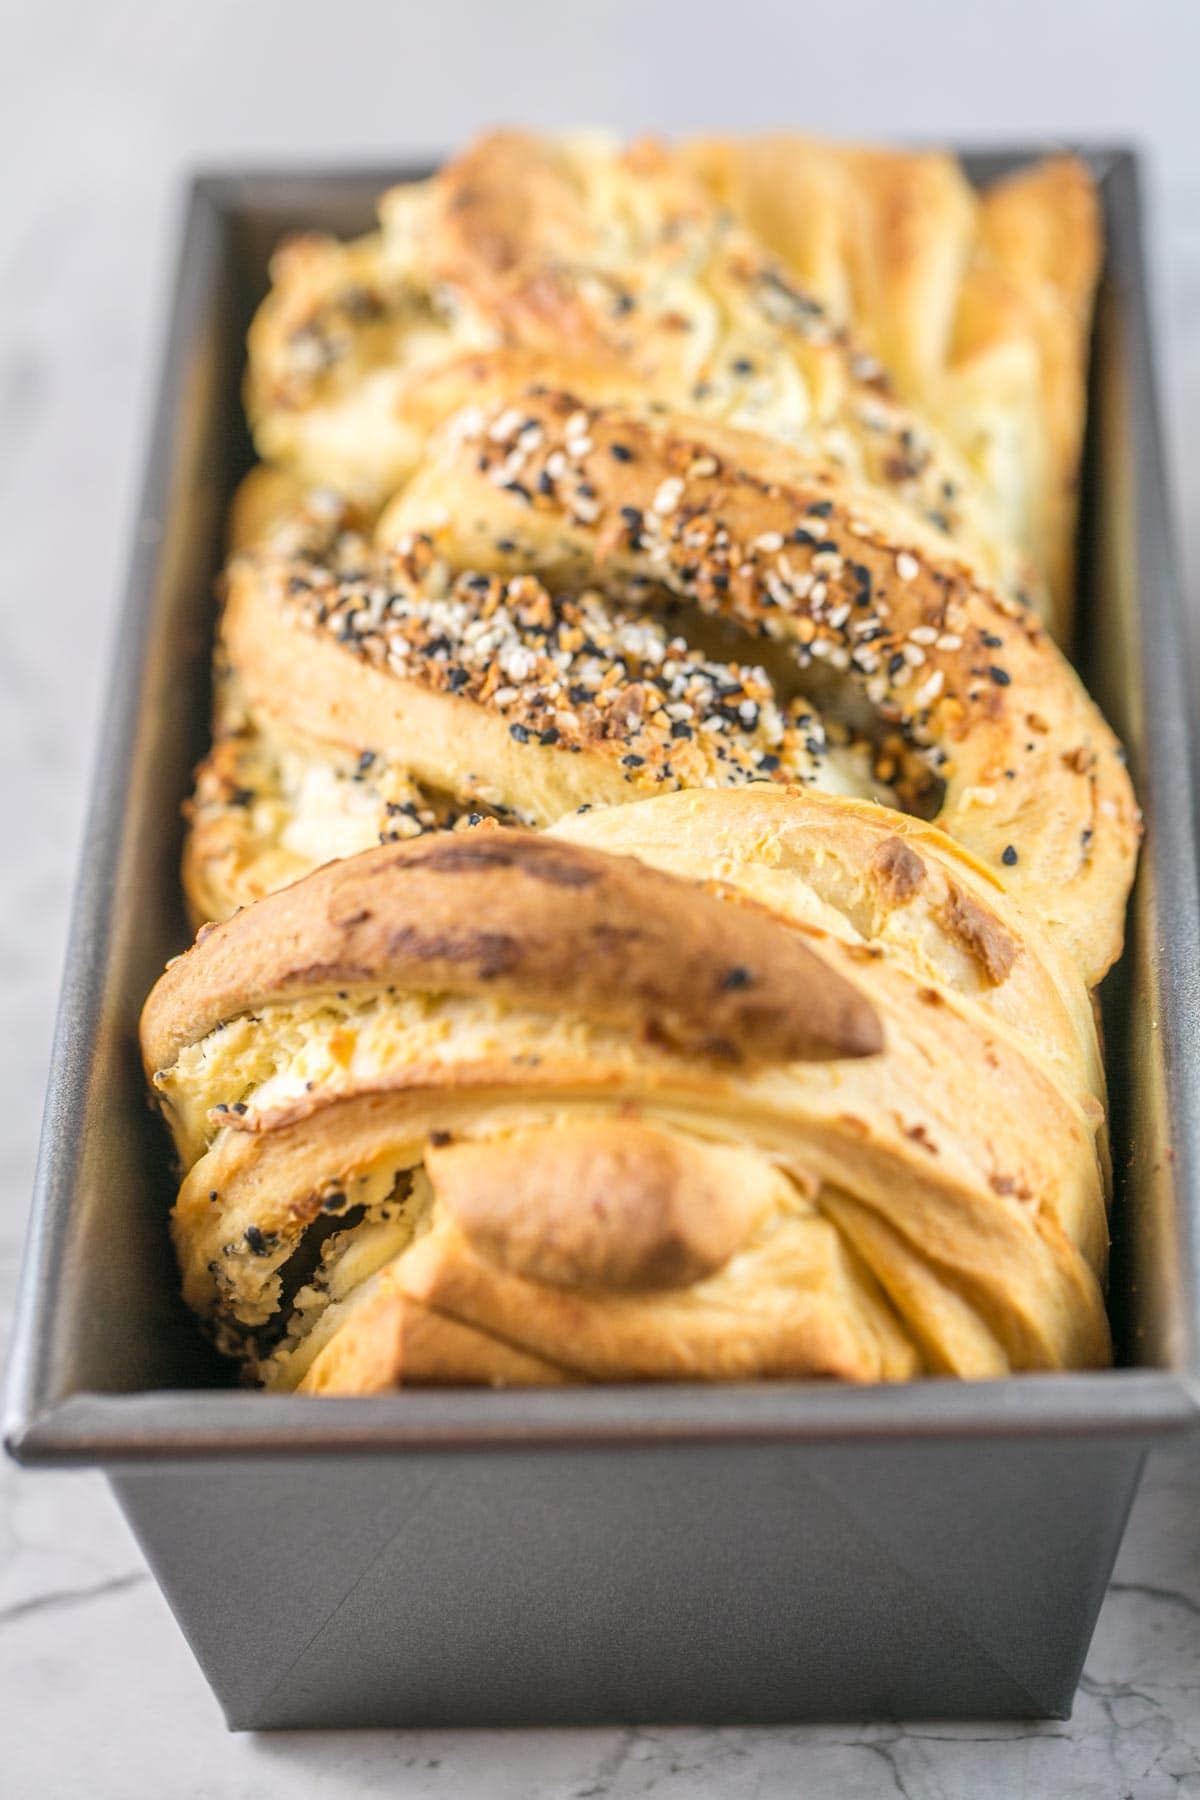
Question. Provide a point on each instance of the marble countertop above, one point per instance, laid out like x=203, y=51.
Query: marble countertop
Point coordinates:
x=98, y=1692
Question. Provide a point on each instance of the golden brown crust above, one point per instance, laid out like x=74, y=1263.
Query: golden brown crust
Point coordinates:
x=1035, y=783
x=518, y=916
x=396, y=1342
x=816, y=1320
x=877, y=878
x=1030, y=287
x=979, y=305
x=606, y=1204
x=879, y=236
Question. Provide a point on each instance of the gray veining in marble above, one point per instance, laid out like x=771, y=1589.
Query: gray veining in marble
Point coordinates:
x=103, y=107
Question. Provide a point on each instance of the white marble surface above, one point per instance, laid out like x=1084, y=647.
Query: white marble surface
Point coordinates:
x=104, y=106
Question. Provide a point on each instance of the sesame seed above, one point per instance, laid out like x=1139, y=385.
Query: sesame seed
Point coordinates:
x=504, y=427
x=907, y=566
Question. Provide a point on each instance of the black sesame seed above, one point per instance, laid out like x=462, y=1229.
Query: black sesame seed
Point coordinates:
x=520, y=733
x=992, y=642
x=742, y=365
x=633, y=761
x=333, y=1202
x=620, y=453
x=1008, y=856
x=680, y=729
x=820, y=509
x=256, y=1243
x=1001, y=677
x=737, y=977
x=550, y=735
x=457, y=678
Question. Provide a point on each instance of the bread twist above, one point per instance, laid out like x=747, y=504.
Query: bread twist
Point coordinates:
x=514, y=1108
x=509, y=644
x=662, y=858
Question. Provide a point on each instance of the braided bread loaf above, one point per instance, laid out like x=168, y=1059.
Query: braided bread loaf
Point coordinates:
x=726, y=850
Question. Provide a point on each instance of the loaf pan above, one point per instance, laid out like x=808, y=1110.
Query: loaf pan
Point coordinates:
x=785, y=1551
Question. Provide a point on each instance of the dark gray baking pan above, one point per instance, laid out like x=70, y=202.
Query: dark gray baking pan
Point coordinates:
x=777, y=1552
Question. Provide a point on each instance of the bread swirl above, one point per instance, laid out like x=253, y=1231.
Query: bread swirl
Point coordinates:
x=312, y=1054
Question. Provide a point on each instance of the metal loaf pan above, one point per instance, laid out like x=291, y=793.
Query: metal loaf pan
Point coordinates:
x=775, y=1552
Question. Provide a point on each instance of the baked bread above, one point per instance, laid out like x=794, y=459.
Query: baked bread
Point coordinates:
x=367, y=694
x=510, y=1108
x=979, y=305
x=620, y=257
x=437, y=657
x=662, y=859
